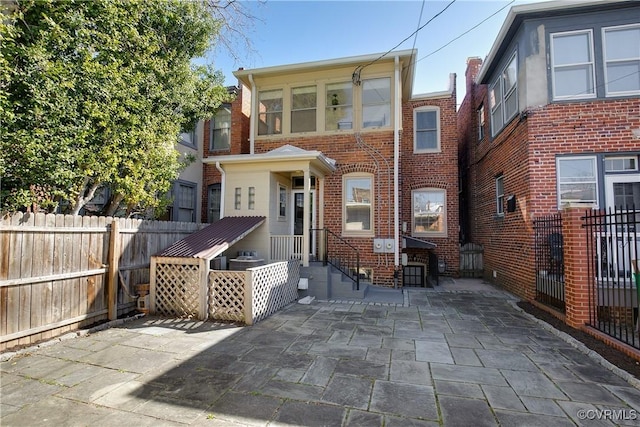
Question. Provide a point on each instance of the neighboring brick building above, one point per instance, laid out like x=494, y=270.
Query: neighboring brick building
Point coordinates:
x=551, y=117
x=335, y=128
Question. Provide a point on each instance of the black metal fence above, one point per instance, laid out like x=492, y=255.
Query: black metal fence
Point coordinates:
x=613, y=240
x=549, y=254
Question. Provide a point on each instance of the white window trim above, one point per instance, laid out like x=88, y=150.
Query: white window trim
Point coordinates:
x=417, y=150
x=605, y=62
x=593, y=68
x=213, y=128
x=442, y=233
x=514, y=90
x=597, y=190
x=389, y=103
x=282, y=203
x=357, y=233
x=481, y=122
x=500, y=196
x=496, y=129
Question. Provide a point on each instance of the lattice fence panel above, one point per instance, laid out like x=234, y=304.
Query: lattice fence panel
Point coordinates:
x=177, y=290
x=274, y=286
x=226, y=295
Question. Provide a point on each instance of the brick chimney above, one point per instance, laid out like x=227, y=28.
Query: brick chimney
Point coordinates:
x=474, y=64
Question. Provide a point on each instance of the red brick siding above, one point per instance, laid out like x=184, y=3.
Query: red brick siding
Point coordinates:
x=436, y=170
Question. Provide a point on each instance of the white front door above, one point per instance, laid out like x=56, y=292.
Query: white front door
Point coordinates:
x=298, y=218
x=620, y=245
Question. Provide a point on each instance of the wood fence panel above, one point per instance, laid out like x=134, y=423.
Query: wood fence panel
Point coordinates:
x=38, y=290
x=24, y=316
x=13, y=272
x=49, y=247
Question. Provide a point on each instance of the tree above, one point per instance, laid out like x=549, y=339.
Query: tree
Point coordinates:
x=94, y=94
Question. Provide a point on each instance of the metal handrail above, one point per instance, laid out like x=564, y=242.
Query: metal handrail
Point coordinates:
x=339, y=257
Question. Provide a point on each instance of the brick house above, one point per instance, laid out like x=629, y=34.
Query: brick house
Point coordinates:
x=339, y=145
x=551, y=118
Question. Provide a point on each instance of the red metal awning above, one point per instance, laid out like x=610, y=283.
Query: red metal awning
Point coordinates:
x=214, y=239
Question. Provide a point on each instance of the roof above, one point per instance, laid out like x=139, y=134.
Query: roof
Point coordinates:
x=214, y=239
x=519, y=13
x=406, y=57
x=412, y=242
x=285, y=153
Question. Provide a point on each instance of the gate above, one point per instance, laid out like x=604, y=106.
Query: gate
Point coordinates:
x=613, y=240
x=549, y=257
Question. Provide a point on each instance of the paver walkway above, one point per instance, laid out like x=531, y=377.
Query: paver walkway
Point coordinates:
x=446, y=358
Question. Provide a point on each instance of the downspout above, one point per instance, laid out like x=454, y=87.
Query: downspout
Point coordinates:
x=252, y=117
x=396, y=159
x=222, y=188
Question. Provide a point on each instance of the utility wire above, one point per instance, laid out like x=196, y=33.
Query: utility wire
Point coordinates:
x=415, y=39
x=356, y=72
x=466, y=32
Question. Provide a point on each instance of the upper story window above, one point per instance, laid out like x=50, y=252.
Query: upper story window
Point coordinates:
x=577, y=180
x=481, y=123
x=303, y=109
x=572, y=65
x=503, y=96
x=376, y=102
x=339, y=102
x=429, y=212
x=500, y=195
x=357, y=193
x=188, y=137
x=220, y=129
x=622, y=60
x=185, y=203
x=426, y=130
x=270, y=112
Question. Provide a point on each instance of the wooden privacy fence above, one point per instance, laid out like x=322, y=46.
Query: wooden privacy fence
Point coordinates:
x=181, y=290
x=61, y=272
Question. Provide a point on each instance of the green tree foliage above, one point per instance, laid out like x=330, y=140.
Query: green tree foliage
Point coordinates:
x=94, y=94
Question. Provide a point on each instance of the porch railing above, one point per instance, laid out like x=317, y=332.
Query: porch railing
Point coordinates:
x=613, y=240
x=336, y=251
x=286, y=247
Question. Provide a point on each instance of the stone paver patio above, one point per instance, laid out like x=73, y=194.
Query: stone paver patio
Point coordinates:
x=440, y=358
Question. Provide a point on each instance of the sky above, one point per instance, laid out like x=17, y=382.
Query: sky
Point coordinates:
x=289, y=32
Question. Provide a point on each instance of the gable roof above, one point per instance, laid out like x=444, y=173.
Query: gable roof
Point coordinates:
x=517, y=14
x=214, y=239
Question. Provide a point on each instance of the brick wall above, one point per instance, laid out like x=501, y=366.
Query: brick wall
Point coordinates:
x=435, y=170
x=525, y=153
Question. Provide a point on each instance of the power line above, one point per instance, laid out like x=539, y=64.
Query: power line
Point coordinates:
x=466, y=32
x=415, y=39
x=356, y=72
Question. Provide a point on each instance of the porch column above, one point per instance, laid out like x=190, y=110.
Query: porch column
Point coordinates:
x=320, y=236
x=305, y=218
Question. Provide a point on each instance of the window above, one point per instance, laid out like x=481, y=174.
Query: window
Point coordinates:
x=215, y=197
x=509, y=89
x=577, y=180
x=252, y=198
x=270, y=112
x=358, y=204
x=188, y=137
x=220, y=129
x=500, y=195
x=503, y=96
x=429, y=213
x=238, y=199
x=339, y=110
x=622, y=60
x=185, y=202
x=481, y=123
x=426, y=136
x=376, y=102
x=303, y=109
x=282, y=201
x=572, y=65
x=620, y=164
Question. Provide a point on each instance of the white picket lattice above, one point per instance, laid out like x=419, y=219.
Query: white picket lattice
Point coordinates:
x=274, y=286
x=226, y=295
x=177, y=290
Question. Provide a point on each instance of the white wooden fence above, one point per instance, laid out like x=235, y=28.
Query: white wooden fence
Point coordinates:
x=61, y=272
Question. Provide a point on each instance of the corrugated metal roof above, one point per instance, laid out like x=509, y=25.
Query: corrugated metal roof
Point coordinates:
x=214, y=239
x=412, y=242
